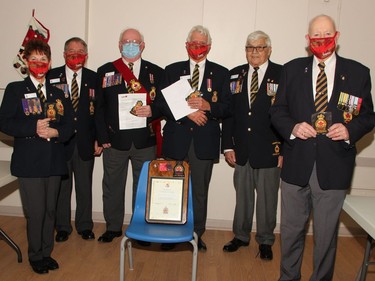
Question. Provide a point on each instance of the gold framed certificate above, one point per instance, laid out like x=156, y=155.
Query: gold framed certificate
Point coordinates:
x=167, y=192
x=166, y=200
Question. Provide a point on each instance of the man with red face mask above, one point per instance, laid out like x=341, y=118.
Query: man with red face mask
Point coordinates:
x=196, y=137
x=323, y=107
x=82, y=147
x=38, y=156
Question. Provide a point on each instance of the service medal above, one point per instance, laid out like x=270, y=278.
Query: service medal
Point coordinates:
x=347, y=117
x=214, y=96
x=60, y=107
x=92, y=108
x=153, y=93
x=209, y=85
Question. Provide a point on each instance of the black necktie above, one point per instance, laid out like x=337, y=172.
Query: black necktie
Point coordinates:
x=74, y=92
x=40, y=93
x=254, y=85
x=321, y=96
x=195, y=78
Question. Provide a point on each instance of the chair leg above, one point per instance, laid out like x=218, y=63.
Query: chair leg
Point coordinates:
x=11, y=243
x=194, y=242
x=130, y=254
x=122, y=258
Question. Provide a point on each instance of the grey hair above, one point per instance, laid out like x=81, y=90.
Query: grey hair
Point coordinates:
x=202, y=30
x=122, y=33
x=256, y=35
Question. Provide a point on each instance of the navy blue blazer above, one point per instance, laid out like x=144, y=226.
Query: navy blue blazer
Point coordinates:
x=35, y=157
x=249, y=131
x=295, y=103
x=84, y=118
x=108, y=130
x=178, y=134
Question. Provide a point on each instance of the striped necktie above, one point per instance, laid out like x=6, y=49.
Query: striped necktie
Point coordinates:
x=129, y=88
x=40, y=93
x=195, y=78
x=131, y=66
x=74, y=92
x=321, y=96
x=254, y=85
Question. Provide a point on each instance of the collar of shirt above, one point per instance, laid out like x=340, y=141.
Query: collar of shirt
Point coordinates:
x=69, y=77
x=36, y=83
x=136, y=66
x=329, y=69
x=202, y=65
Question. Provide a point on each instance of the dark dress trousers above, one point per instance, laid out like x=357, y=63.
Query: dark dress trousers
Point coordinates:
x=79, y=153
x=136, y=145
x=256, y=143
x=200, y=145
x=37, y=163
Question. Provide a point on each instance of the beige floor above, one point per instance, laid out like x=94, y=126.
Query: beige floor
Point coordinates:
x=90, y=260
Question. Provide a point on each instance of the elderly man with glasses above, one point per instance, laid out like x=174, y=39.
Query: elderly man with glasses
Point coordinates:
x=128, y=77
x=252, y=147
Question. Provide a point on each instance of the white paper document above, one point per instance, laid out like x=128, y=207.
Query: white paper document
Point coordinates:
x=175, y=95
x=127, y=102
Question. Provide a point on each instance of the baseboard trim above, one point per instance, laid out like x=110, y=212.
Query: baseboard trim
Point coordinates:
x=225, y=225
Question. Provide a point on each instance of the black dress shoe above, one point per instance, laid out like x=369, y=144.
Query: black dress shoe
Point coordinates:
x=109, y=235
x=201, y=245
x=233, y=245
x=50, y=263
x=87, y=234
x=39, y=267
x=265, y=252
x=143, y=243
x=168, y=246
x=62, y=236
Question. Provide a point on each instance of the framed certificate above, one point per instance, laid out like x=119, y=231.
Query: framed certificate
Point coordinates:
x=167, y=194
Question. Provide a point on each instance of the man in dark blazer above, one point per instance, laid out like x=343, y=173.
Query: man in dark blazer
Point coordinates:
x=40, y=119
x=82, y=147
x=252, y=146
x=128, y=75
x=323, y=107
x=196, y=137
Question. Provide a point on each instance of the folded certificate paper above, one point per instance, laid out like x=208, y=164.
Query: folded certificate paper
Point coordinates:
x=175, y=96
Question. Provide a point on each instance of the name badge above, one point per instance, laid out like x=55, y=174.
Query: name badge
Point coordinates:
x=234, y=76
x=30, y=96
x=109, y=74
x=55, y=80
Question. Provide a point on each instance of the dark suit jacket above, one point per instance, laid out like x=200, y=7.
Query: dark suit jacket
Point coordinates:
x=33, y=156
x=107, y=106
x=177, y=135
x=295, y=103
x=84, y=122
x=249, y=132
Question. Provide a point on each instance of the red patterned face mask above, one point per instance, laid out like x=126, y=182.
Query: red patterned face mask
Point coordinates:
x=75, y=62
x=38, y=69
x=197, y=51
x=323, y=47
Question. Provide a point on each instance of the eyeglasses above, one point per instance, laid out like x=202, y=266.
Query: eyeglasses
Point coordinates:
x=131, y=41
x=259, y=49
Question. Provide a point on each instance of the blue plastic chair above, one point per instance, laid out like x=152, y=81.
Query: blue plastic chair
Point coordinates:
x=139, y=229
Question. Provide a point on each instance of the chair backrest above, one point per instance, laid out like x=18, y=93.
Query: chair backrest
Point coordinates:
x=140, y=200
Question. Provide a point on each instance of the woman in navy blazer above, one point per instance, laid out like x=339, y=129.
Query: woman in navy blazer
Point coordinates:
x=40, y=124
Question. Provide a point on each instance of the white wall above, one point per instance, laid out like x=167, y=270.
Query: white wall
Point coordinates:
x=165, y=25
